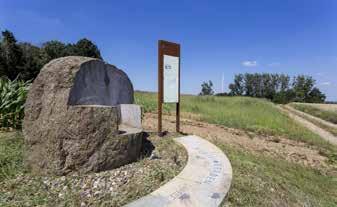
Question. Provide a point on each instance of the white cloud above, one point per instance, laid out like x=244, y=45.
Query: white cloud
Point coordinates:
x=249, y=63
x=326, y=83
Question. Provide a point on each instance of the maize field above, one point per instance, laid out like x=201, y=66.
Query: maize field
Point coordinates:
x=12, y=99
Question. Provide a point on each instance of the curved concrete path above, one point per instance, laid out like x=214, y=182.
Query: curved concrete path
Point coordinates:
x=204, y=182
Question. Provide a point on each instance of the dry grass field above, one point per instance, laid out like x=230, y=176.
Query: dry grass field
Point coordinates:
x=326, y=107
x=327, y=112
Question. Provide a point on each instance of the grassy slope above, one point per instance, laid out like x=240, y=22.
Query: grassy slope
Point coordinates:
x=320, y=124
x=326, y=115
x=246, y=113
x=260, y=180
x=264, y=181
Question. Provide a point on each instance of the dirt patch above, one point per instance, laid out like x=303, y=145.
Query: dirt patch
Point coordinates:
x=278, y=147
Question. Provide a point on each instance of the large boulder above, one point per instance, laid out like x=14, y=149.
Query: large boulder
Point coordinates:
x=72, y=118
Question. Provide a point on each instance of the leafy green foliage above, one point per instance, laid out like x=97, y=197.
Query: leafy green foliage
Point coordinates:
x=85, y=47
x=305, y=91
x=206, y=89
x=12, y=99
x=31, y=60
x=11, y=56
x=24, y=60
x=53, y=49
x=277, y=87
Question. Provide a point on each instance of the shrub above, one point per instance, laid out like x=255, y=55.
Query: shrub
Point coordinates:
x=12, y=99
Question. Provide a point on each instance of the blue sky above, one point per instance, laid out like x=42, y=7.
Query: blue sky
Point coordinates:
x=216, y=37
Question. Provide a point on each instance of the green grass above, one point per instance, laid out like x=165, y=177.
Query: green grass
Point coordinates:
x=251, y=114
x=320, y=124
x=11, y=154
x=266, y=181
x=329, y=116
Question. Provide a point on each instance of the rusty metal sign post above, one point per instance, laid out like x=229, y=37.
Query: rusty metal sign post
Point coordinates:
x=168, y=79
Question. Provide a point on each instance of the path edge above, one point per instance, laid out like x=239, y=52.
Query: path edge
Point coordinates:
x=227, y=173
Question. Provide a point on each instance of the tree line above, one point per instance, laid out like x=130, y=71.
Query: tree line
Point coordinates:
x=23, y=60
x=279, y=88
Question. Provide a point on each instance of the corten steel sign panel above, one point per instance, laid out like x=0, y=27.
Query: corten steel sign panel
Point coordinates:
x=168, y=79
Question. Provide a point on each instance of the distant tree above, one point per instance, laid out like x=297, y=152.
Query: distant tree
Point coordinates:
x=284, y=81
x=2, y=63
x=56, y=49
x=85, y=47
x=331, y=102
x=303, y=86
x=206, y=88
x=284, y=97
x=53, y=49
x=223, y=94
x=32, y=62
x=11, y=55
x=316, y=96
x=269, y=85
x=276, y=87
x=237, y=88
x=249, y=84
x=24, y=60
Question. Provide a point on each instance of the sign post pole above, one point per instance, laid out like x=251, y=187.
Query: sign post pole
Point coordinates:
x=160, y=87
x=178, y=103
x=168, y=79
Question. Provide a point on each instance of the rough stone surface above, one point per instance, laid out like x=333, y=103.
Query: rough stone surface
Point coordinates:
x=130, y=114
x=69, y=123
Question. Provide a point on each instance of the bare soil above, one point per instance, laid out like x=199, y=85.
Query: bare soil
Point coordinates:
x=278, y=147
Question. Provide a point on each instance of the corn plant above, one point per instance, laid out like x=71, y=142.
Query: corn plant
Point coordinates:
x=12, y=99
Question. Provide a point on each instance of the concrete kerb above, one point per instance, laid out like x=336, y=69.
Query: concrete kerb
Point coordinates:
x=204, y=181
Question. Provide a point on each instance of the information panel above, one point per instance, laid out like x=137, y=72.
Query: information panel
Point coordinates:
x=171, y=79
x=168, y=80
